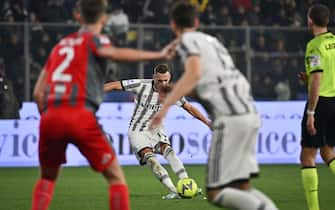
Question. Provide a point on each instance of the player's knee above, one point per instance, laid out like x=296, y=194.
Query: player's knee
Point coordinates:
x=148, y=157
x=162, y=147
x=307, y=157
x=167, y=151
x=307, y=161
x=114, y=174
x=327, y=154
x=145, y=151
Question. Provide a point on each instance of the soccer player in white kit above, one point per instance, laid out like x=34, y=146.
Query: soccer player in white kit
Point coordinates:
x=147, y=142
x=225, y=93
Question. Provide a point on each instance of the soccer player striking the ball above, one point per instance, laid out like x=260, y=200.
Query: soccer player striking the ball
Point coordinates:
x=225, y=93
x=68, y=93
x=319, y=116
x=145, y=142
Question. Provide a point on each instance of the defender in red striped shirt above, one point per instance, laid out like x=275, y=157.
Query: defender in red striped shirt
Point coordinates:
x=68, y=92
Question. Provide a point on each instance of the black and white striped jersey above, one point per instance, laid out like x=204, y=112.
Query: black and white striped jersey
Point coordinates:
x=146, y=102
x=222, y=88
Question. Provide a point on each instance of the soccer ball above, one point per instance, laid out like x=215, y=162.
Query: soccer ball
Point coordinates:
x=187, y=188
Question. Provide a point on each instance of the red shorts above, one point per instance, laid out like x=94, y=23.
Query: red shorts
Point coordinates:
x=60, y=126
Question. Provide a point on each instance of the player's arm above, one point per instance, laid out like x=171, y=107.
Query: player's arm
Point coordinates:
x=109, y=86
x=39, y=89
x=314, y=65
x=128, y=54
x=313, y=98
x=184, y=86
x=196, y=113
x=314, y=90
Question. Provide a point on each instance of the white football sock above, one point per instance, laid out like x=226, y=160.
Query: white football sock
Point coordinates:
x=159, y=171
x=175, y=163
x=269, y=204
x=237, y=199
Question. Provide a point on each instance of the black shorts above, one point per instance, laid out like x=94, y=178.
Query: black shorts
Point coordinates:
x=324, y=124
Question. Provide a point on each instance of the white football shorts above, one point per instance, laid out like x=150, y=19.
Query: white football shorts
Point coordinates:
x=147, y=139
x=232, y=154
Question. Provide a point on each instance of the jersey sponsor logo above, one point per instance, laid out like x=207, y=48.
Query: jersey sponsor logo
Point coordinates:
x=153, y=107
x=104, y=40
x=314, y=60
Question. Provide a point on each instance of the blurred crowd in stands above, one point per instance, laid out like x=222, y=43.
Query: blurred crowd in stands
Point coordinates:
x=276, y=53
x=213, y=12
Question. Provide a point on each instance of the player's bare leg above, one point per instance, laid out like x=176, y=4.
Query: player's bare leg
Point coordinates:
x=328, y=156
x=118, y=189
x=240, y=195
x=309, y=177
x=307, y=157
x=114, y=174
x=327, y=153
x=160, y=172
x=44, y=188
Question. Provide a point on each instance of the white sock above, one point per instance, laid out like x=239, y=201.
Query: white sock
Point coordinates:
x=237, y=199
x=175, y=163
x=269, y=204
x=160, y=172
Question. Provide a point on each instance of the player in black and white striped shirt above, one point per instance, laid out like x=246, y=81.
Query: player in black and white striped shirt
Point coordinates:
x=147, y=142
x=225, y=92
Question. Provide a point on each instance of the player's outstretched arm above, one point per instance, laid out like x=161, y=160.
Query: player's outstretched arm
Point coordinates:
x=39, y=89
x=166, y=89
x=109, y=86
x=196, y=113
x=128, y=54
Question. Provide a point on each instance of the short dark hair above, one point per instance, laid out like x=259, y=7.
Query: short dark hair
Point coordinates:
x=91, y=10
x=184, y=14
x=162, y=68
x=319, y=14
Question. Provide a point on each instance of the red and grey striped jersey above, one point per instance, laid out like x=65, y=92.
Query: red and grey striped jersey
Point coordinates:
x=75, y=72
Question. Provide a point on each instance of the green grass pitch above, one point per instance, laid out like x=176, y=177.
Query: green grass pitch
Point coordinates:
x=82, y=189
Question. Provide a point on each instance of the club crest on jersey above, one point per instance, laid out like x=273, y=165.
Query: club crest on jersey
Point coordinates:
x=314, y=60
